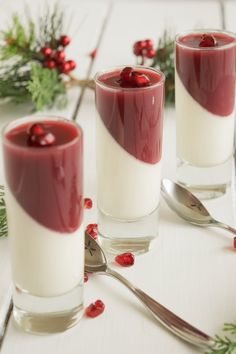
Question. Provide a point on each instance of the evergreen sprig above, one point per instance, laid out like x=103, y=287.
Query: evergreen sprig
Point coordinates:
x=224, y=345
x=3, y=217
x=164, y=60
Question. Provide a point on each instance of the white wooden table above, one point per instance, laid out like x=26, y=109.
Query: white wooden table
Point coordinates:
x=190, y=270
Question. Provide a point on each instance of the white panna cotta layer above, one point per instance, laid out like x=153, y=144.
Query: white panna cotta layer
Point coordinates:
x=203, y=139
x=44, y=262
x=127, y=188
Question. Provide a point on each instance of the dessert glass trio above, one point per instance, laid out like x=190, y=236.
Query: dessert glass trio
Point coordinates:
x=44, y=172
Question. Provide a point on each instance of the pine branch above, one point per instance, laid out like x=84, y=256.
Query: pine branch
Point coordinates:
x=3, y=217
x=223, y=345
x=230, y=327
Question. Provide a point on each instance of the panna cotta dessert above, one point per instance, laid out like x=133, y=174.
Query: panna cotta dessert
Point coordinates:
x=129, y=103
x=43, y=161
x=205, y=97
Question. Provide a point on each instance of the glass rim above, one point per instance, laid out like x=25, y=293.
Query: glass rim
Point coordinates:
x=40, y=118
x=114, y=68
x=205, y=30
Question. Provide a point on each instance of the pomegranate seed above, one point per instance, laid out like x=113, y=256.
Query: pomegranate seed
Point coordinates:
x=148, y=44
x=72, y=64
x=235, y=243
x=138, y=47
x=139, y=79
x=92, y=230
x=46, y=51
x=43, y=140
x=125, y=259
x=64, y=40
x=95, y=309
x=85, y=277
x=150, y=53
x=88, y=203
x=36, y=129
x=207, y=40
x=50, y=64
x=59, y=56
x=125, y=74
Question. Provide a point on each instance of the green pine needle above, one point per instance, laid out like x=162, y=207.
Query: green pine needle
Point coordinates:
x=3, y=217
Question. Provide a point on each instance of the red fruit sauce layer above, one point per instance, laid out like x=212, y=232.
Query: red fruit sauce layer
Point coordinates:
x=47, y=182
x=208, y=73
x=133, y=116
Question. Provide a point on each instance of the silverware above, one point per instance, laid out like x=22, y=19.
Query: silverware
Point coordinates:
x=189, y=207
x=95, y=262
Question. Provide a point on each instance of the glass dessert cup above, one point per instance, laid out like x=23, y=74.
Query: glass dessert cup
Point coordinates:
x=205, y=79
x=44, y=198
x=129, y=128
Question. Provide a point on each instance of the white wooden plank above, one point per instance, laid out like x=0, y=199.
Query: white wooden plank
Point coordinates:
x=230, y=11
x=84, y=29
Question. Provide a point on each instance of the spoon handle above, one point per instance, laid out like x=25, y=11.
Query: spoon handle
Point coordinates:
x=167, y=318
x=225, y=226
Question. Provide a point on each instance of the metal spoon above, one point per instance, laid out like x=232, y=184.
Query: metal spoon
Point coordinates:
x=189, y=207
x=95, y=262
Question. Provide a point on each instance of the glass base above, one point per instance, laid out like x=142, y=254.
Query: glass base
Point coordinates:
x=118, y=236
x=205, y=182
x=46, y=315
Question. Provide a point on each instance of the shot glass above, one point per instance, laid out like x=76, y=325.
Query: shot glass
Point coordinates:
x=129, y=125
x=205, y=110
x=43, y=160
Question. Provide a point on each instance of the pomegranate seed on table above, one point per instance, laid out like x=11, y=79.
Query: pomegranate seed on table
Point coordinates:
x=85, y=277
x=235, y=243
x=207, y=40
x=88, y=203
x=95, y=309
x=92, y=230
x=125, y=259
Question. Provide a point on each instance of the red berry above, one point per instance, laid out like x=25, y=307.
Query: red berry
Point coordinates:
x=138, y=47
x=46, y=51
x=64, y=40
x=148, y=44
x=85, y=277
x=59, y=56
x=72, y=64
x=95, y=309
x=125, y=259
x=150, y=53
x=64, y=67
x=43, y=140
x=88, y=203
x=36, y=129
x=207, y=40
x=92, y=230
x=139, y=79
x=125, y=74
x=50, y=64
x=93, y=53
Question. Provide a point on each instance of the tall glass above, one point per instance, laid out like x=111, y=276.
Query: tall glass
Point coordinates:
x=44, y=197
x=129, y=149
x=205, y=110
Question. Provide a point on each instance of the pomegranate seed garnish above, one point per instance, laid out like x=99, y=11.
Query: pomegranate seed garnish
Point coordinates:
x=150, y=53
x=43, y=140
x=88, y=203
x=92, y=230
x=148, y=44
x=139, y=79
x=36, y=129
x=125, y=259
x=207, y=40
x=235, y=243
x=85, y=277
x=95, y=309
x=125, y=74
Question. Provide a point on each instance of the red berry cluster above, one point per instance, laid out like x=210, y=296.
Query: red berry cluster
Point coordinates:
x=144, y=49
x=132, y=78
x=38, y=136
x=56, y=59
